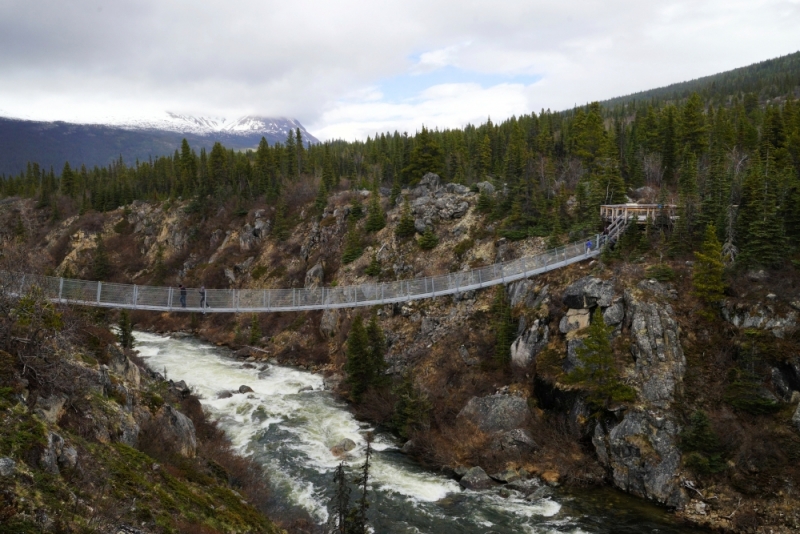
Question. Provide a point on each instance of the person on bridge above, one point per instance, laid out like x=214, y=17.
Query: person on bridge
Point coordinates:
x=203, y=298
x=183, y=295
x=588, y=246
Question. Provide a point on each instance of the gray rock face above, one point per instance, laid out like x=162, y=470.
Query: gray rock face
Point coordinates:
x=315, y=276
x=50, y=408
x=528, y=345
x=642, y=455
x=572, y=361
x=431, y=181
x=476, y=479
x=761, y=317
x=574, y=320
x=515, y=441
x=457, y=189
x=589, y=292
x=486, y=187
x=509, y=475
x=329, y=323
x=796, y=418
x=420, y=226
x=49, y=458
x=614, y=314
x=7, y=467
x=781, y=386
x=179, y=429
x=496, y=413
x=660, y=362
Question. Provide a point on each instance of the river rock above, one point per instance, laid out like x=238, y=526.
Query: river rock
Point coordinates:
x=245, y=389
x=528, y=345
x=408, y=447
x=50, y=408
x=476, y=479
x=344, y=446
x=589, y=292
x=539, y=494
x=509, y=475
x=178, y=429
x=7, y=467
x=224, y=394
x=305, y=388
x=496, y=413
x=315, y=276
x=574, y=320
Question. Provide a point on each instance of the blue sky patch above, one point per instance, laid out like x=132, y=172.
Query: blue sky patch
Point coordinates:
x=407, y=86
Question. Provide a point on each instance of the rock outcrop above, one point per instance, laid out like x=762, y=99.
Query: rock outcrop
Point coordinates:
x=641, y=451
x=528, y=345
x=476, y=479
x=496, y=413
x=589, y=292
x=178, y=429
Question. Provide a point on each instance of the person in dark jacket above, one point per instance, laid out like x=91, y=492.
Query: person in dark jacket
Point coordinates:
x=183, y=295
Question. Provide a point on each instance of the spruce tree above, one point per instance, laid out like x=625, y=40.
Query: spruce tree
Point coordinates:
x=255, y=330
x=376, y=349
x=125, y=335
x=503, y=327
x=428, y=240
x=280, y=226
x=353, y=245
x=597, y=368
x=374, y=267
x=358, y=365
x=707, y=277
x=101, y=266
x=376, y=218
x=405, y=227
x=322, y=198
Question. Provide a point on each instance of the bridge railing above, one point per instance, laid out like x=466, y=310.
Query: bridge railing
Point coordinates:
x=231, y=300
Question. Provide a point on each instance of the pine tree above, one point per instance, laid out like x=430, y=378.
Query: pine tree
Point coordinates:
x=693, y=126
x=428, y=240
x=405, y=227
x=597, y=368
x=280, y=227
x=341, y=501
x=125, y=335
x=356, y=207
x=484, y=204
x=69, y=186
x=374, y=267
x=709, y=270
x=412, y=409
x=357, y=365
x=376, y=218
x=503, y=327
x=426, y=156
x=322, y=198
x=376, y=349
x=353, y=245
x=255, y=330
x=101, y=266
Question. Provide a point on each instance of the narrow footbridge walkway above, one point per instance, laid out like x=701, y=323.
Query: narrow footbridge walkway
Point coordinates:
x=108, y=295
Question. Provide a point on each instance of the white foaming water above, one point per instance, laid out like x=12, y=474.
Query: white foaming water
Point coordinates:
x=291, y=434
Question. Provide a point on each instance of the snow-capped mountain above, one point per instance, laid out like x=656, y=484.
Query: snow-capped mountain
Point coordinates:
x=275, y=127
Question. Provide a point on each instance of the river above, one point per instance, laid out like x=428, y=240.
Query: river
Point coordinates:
x=291, y=433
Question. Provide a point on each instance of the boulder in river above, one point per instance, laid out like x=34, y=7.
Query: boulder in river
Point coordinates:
x=245, y=389
x=476, y=479
x=344, y=446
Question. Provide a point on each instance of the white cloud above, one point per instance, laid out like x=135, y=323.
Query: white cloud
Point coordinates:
x=326, y=62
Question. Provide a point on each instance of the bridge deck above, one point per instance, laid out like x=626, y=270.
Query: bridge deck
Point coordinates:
x=125, y=296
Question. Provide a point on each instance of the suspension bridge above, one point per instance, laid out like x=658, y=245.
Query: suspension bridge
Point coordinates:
x=174, y=299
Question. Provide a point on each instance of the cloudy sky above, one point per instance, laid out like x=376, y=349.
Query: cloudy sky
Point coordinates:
x=347, y=69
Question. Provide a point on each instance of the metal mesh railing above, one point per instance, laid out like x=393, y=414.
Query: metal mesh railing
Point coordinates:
x=128, y=296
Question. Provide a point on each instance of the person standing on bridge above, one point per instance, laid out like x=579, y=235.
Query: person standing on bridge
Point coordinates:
x=183, y=295
x=588, y=246
x=203, y=298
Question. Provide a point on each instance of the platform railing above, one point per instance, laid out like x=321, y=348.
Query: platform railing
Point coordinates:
x=158, y=298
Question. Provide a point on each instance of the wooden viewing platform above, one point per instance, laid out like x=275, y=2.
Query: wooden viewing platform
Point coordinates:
x=637, y=212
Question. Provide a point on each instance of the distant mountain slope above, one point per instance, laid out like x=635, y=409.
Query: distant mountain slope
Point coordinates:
x=768, y=79
x=53, y=143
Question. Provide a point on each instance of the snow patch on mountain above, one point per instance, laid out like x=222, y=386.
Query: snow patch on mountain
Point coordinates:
x=245, y=126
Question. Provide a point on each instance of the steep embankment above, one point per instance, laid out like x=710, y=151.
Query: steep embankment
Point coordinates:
x=695, y=413
x=91, y=441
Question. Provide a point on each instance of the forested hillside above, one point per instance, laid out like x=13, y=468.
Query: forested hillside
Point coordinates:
x=725, y=155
